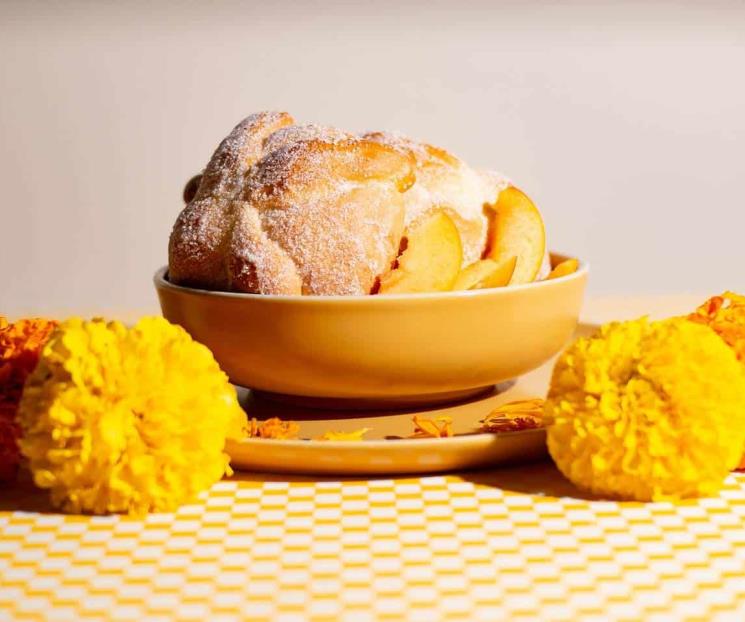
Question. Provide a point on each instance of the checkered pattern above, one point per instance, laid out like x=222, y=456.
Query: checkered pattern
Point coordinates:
x=431, y=548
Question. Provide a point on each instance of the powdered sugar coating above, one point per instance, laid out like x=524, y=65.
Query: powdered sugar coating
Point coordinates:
x=288, y=209
x=199, y=243
x=293, y=134
x=223, y=176
x=494, y=182
x=446, y=182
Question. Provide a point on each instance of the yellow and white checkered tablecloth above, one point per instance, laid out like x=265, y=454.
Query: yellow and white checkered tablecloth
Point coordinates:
x=512, y=544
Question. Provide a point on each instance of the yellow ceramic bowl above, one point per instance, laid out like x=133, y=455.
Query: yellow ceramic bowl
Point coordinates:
x=379, y=350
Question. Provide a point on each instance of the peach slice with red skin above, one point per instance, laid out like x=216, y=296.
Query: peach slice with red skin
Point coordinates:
x=431, y=260
x=517, y=230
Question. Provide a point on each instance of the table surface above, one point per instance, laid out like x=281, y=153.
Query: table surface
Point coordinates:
x=517, y=543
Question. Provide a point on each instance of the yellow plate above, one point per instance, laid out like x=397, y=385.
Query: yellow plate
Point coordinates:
x=380, y=454
x=380, y=351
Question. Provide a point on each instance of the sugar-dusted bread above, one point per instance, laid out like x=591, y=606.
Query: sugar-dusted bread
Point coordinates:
x=446, y=182
x=288, y=209
x=302, y=209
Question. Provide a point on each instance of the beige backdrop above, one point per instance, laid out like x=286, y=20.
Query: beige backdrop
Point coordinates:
x=624, y=121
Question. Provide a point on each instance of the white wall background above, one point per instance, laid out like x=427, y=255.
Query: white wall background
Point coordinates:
x=624, y=121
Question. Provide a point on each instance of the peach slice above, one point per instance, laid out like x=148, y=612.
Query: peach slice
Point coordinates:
x=517, y=231
x=485, y=273
x=568, y=266
x=431, y=260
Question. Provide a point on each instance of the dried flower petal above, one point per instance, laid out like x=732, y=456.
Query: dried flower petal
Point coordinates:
x=515, y=416
x=274, y=428
x=439, y=427
x=354, y=435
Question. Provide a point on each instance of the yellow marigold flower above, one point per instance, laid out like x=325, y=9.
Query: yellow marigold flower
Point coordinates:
x=126, y=420
x=20, y=345
x=514, y=417
x=647, y=411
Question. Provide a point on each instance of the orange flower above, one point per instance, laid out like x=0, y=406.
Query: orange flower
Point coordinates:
x=725, y=315
x=20, y=345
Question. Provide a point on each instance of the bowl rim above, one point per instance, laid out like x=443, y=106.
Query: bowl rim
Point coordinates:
x=161, y=282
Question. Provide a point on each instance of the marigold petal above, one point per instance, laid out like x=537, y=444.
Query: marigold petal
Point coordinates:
x=274, y=428
x=354, y=435
x=439, y=427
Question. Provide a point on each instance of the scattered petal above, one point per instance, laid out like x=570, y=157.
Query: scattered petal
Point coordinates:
x=439, y=427
x=274, y=428
x=515, y=416
x=355, y=435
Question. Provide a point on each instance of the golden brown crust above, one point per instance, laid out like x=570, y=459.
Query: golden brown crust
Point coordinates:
x=242, y=148
x=286, y=209
x=197, y=253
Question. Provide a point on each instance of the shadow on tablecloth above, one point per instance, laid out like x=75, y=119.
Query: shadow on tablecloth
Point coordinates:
x=538, y=478
x=23, y=496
